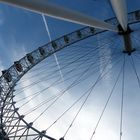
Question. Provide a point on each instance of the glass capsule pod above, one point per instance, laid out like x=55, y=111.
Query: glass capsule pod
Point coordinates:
x=79, y=34
x=54, y=45
x=30, y=58
x=42, y=51
x=18, y=66
x=66, y=39
x=137, y=15
x=6, y=74
x=92, y=29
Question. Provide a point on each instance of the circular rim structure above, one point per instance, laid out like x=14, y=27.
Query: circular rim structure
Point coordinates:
x=12, y=75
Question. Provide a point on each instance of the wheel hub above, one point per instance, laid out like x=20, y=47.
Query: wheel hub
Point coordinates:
x=127, y=40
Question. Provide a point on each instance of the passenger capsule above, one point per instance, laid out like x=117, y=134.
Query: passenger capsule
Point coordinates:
x=18, y=66
x=137, y=15
x=41, y=51
x=92, y=29
x=30, y=58
x=7, y=75
x=66, y=39
x=79, y=34
x=54, y=45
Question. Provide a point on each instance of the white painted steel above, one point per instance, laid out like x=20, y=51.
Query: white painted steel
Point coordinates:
x=120, y=9
x=50, y=9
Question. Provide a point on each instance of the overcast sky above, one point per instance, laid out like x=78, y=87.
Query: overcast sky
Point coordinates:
x=22, y=31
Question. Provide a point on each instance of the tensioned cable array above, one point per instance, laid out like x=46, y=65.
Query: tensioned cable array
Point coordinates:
x=86, y=70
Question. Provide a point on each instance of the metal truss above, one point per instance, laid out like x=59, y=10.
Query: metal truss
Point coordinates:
x=12, y=124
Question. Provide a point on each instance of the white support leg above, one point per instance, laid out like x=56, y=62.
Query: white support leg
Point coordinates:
x=47, y=8
x=120, y=9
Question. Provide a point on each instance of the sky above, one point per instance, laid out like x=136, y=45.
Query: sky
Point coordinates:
x=22, y=31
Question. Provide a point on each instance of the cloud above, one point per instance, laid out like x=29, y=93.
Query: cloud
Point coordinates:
x=17, y=49
x=84, y=124
x=105, y=58
x=19, y=52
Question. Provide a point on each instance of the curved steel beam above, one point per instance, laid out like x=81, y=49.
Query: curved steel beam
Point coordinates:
x=59, y=12
x=120, y=9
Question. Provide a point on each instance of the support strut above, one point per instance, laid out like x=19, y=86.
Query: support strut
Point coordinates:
x=127, y=40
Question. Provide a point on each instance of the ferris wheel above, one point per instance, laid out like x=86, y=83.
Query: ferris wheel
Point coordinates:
x=74, y=94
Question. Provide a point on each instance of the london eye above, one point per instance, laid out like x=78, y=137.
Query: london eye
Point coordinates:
x=83, y=85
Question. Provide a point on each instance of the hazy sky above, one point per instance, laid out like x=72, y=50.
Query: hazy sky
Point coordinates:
x=22, y=31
